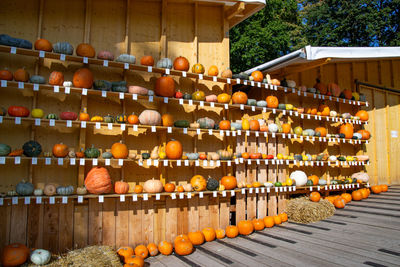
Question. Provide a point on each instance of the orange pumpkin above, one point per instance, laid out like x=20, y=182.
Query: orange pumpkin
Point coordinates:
x=133, y=119
x=84, y=116
x=169, y=187
x=198, y=68
x=147, y=61
x=324, y=109
x=56, y=78
x=119, y=150
x=347, y=130
x=286, y=128
x=346, y=197
x=181, y=63
x=229, y=182
x=85, y=50
x=6, y=75
x=83, y=78
x=121, y=187
x=315, y=197
x=231, y=231
x=255, y=155
x=125, y=252
x=254, y=125
x=269, y=221
x=272, y=101
x=275, y=82
x=220, y=233
x=21, y=75
x=165, y=248
x=226, y=73
x=183, y=246
x=363, y=115
x=322, y=131
x=225, y=125
x=365, y=135
x=98, y=181
x=314, y=179
x=223, y=98
x=257, y=76
x=167, y=120
x=347, y=93
x=134, y=261
x=173, y=150
x=312, y=111
x=356, y=195
x=43, y=45
x=245, y=155
x=277, y=219
x=165, y=86
x=213, y=71
x=180, y=188
x=321, y=87
x=16, y=153
x=239, y=98
x=153, y=249
x=60, y=150
x=197, y=238
x=376, y=189
x=258, y=224
x=245, y=227
x=264, y=128
x=334, y=89
x=284, y=217
x=339, y=203
x=141, y=251
x=384, y=187
x=209, y=234
x=15, y=254
x=138, y=189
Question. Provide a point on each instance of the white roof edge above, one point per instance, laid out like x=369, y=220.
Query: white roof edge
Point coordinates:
x=230, y=3
x=309, y=53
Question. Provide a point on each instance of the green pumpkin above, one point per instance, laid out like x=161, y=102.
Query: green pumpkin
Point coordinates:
x=32, y=149
x=37, y=79
x=298, y=157
x=334, y=182
x=63, y=48
x=92, y=152
x=282, y=106
x=341, y=158
x=320, y=157
x=187, y=96
x=4, y=150
x=17, y=42
x=182, y=124
x=251, y=102
x=106, y=155
x=241, y=75
x=108, y=119
x=145, y=155
x=120, y=118
x=278, y=184
x=65, y=190
x=52, y=116
x=24, y=188
x=212, y=184
x=206, y=123
x=119, y=87
x=309, y=183
x=102, y=85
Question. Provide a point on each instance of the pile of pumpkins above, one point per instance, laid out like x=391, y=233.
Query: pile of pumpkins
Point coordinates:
x=17, y=254
x=184, y=244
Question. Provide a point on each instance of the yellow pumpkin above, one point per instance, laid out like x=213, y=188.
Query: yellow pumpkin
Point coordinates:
x=223, y=98
x=245, y=124
x=96, y=119
x=198, y=183
x=37, y=113
x=198, y=95
x=198, y=68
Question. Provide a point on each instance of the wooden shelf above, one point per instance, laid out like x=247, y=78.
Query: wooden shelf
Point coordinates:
x=121, y=65
x=135, y=97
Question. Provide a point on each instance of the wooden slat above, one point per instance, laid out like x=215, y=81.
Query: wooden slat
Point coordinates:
x=135, y=219
x=95, y=234
x=171, y=219
x=81, y=219
x=5, y=218
x=66, y=226
x=251, y=201
x=281, y=175
x=193, y=214
x=50, y=227
x=122, y=224
x=240, y=176
x=19, y=215
x=262, y=178
x=204, y=212
x=213, y=206
x=224, y=206
x=35, y=225
x=272, y=198
x=147, y=221
x=109, y=216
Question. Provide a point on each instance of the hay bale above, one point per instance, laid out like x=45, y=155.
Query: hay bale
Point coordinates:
x=303, y=210
x=99, y=256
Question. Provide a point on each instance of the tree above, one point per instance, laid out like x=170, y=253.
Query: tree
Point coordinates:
x=351, y=23
x=270, y=33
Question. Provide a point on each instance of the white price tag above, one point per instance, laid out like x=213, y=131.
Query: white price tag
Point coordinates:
x=183, y=73
x=121, y=95
x=223, y=193
x=205, y=163
x=34, y=161
x=80, y=199
x=64, y=200
x=72, y=161
x=169, y=129
x=181, y=195
x=229, y=163
x=94, y=162
x=197, y=163
x=167, y=71
x=200, y=76
x=145, y=197
x=52, y=122
x=148, y=162
x=135, y=128
x=69, y=123
x=126, y=66
x=62, y=57
x=241, y=106
x=178, y=162
x=83, y=124
x=41, y=54
x=134, y=197
x=104, y=93
x=153, y=129
x=101, y=199
x=120, y=162
x=84, y=91
x=185, y=131
x=82, y=162
x=105, y=63
x=3, y=83
x=52, y=200
x=60, y=161
x=151, y=98
x=98, y=125
x=14, y=200
x=17, y=120
x=134, y=96
x=27, y=200
x=20, y=85
x=17, y=160
x=110, y=126
x=165, y=162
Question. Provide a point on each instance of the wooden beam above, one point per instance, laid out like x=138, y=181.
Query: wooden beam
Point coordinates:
x=300, y=68
x=236, y=9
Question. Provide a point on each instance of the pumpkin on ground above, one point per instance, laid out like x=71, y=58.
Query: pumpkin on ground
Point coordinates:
x=153, y=186
x=40, y=256
x=347, y=197
x=135, y=261
x=229, y=182
x=119, y=150
x=339, y=203
x=277, y=219
x=183, y=246
x=239, y=98
x=245, y=227
x=220, y=233
x=269, y=221
x=209, y=234
x=141, y=251
x=197, y=238
x=174, y=149
x=231, y=231
x=315, y=197
x=125, y=252
x=356, y=195
x=258, y=224
x=85, y=50
x=153, y=249
x=43, y=45
x=83, y=78
x=14, y=254
x=284, y=217
x=198, y=183
x=347, y=129
x=376, y=189
x=121, y=187
x=98, y=181
x=384, y=187
x=165, y=248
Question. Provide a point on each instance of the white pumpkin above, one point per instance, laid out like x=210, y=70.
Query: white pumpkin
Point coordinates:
x=134, y=89
x=153, y=186
x=333, y=113
x=126, y=58
x=188, y=188
x=332, y=158
x=363, y=176
x=299, y=177
x=67, y=83
x=268, y=184
x=291, y=83
x=273, y=128
x=38, y=192
x=40, y=256
x=150, y=117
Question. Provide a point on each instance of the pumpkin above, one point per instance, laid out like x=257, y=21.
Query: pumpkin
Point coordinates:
x=315, y=196
x=169, y=187
x=284, y=217
x=198, y=68
x=324, y=110
x=65, y=190
x=229, y=182
x=211, y=98
x=134, y=261
x=52, y=116
x=164, y=63
x=153, y=186
x=32, y=149
x=209, y=234
x=299, y=177
x=102, y=85
x=347, y=197
x=334, y=89
x=322, y=131
x=363, y=115
x=60, y=150
x=174, y=149
x=21, y=75
x=40, y=256
x=183, y=246
x=43, y=45
x=125, y=252
x=231, y=231
x=269, y=221
x=120, y=118
x=225, y=125
x=105, y=55
x=50, y=189
x=165, y=248
x=150, y=117
x=24, y=188
x=321, y=87
x=181, y=63
x=286, y=128
x=272, y=101
x=198, y=95
x=362, y=176
x=153, y=249
x=226, y=73
x=83, y=78
x=85, y=50
x=84, y=116
x=147, y=61
x=384, y=187
x=81, y=190
x=133, y=119
x=239, y=98
x=134, y=89
x=119, y=150
x=165, y=86
x=220, y=233
x=187, y=188
x=63, y=48
x=347, y=94
x=106, y=155
x=339, y=203
x=376, y=189
x=365, y=135
x=257, y=76
x=223, y=98
x=6, y=75
x=138, y=189
x=126, y=58
x=141, y=251
x=16, y=153
x=258, y=224
x=277, y=219
x=273, y=128
x=92, y=152
x=213, y=71
x=98, y=181
x=119, y=86
x=275, y=82
x=14, y=254
x=68, y=115
x=212, y=184
x=254, y=125
x=197, y=238
x=4, y=150
x=17, y=42
x=347, y=130
x=108, y=119
x=206, y=123
x=314, y=179
x=56, y=78
x=198, y=183
x=180, y=188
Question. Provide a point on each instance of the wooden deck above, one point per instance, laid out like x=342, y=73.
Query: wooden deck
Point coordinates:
x=364, y=233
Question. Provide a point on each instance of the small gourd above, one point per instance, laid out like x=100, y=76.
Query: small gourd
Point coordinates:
x=63, y=48
x=81, y=190
x=4, y=150
x=92, y=152
x=40, y=256
x=38, y=192
x=261, y=103
x=102, y=85
x=154, y=153
x=192, y=156
x=108, y=119
x=273, y=128
x=65, y=190
x=206, y=123
x=332, y=158
x=212, y=184
x=24, y=188
x=126, y=58
x=106, y=155
x=145, y=155
x=37, y=79
x=50, y=189
x=251, y=102
x=164, y=63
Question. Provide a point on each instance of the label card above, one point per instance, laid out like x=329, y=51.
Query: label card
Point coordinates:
x=105, y=63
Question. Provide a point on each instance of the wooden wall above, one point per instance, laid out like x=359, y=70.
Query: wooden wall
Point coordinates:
x=383, y=109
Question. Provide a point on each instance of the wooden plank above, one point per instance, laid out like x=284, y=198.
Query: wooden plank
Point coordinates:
x=159, y=221
x=109, y=217
x=5, y=223
x=135, y=222
x=66, y=226
x=35, y=225
x=19, y=215
x=122, y=224
x=262, y=178
x=251, y=200
x=147, y=221
x=213, y=207
x=95, y=234
x=240, y=176
x=224, y=213
x=193, y=214
x=281, y=144
x=272, y=172
x=204, y=212
x=81, y=219
x=50, y=227
x=171, y=219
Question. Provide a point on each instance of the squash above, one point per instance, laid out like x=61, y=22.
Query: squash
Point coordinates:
x=198, y=95
x=4, y=150
x=121, y=187
x=98, y=181
x=145, y=155
x=43, y=45
x=50, y=189
x=65, y=190
x=147, y=61
x=14, y=254
x=32, y=149
x=223, y=98
x=37, y=79
x=211, y=98
x=299, y=177
x=322, y=131
x=63, y=48
x=119, y=87
x=198, y=183
x=38, y=192
x=108, y=119
x=18, y=111
x=40, y=256
x=120, y=118
x=164, y=63
x=165, y=86
x=181, y=63
x=85, y=50
x=56, y=78
x=106, y=155
x=153, y=186
x=229, y=182
x=334, y=89
x=192, y=156
x=174, y=149
x=363, y=115
x=52, y=116
x=60, y=150
x=24, y=188
x=11, y=41
x=105, y=55
x=261, y=103
x=83, y=78
x=224, y=125
x=83, y=116
x=68, y=115
x=226, y=73
x=126, y=58
x=134, y=89
x=213, y=71
x=272, y=101
x=254, y=125
x=257, y=76
x=241, y=75
x=322, y=88
x=324, y=109
x=21, y=75
x=167, y=120
x=198, y=68
x=133, y=119
x=273, y=128
x=150, y=117
x=92, y=152
x=251, y=102
x=119, y=150
x=224, y=154
x=347, y=130
x=182, y=124
x=365, y=135
x=212, y=184
x=239, y=98
x=357, y=136
x=102, y=85
x=7, y=75
x=206, y=123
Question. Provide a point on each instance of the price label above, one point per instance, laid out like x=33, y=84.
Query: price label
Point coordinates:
x=17, y=120
x=181, y=195
x=34, y=161
x=105, y=63
x=84, y=91
x=145, y=197
x=94, y=162
x=200, y=76
x=197, y=163
x=169, y=129
x=134, y=197
x=122, y=198
x=205, y=163
x=107, y=162
x=17, y=160
x=212, y=104
x=3, y=83
x=149, y=69
x=41, y=54
x=62, y=57
x=72, y=161
x=14, y=200
x=167, y=71
x=20, y=85
x=98, y=126
x=183, y=73
x=52, y=200
x=80, y=199
x=60, y=161
x=64, y=200
x=27, y=200
x=229, y=163
x=151, y=98
x=38, y=200
x=83, y=124
x=101, y=199
x=126, y=66
x=69, y=124
x=185, y=131
x=241, y=106
x=228, y=80
x=120, y=162
x=82, y=162
x=121, y=95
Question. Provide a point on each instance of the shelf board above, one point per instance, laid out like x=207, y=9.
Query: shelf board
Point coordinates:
x=121, y=65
